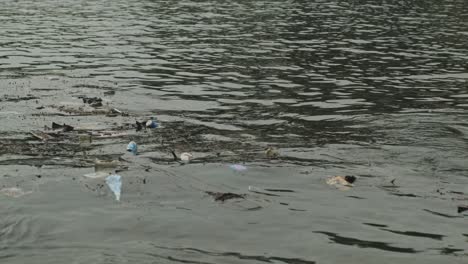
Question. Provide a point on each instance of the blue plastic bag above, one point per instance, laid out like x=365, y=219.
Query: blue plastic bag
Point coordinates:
x=132, y=147
x=152, y=124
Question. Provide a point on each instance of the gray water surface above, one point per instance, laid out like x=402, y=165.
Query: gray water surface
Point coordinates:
x=375, y=89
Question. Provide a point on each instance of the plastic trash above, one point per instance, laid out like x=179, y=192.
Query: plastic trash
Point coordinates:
x=132, y=147
x=115, y=184
x=238, y=167
x=341, y=182
x=152, y=124
x=96, y=175
x=271, y=152
x=186, y=157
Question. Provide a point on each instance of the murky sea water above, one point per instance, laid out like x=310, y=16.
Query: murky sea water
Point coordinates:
x=374, y=89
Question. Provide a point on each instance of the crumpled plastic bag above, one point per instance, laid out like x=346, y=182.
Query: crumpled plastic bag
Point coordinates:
x=114, y=182
x=132, y=147
x=343, y=183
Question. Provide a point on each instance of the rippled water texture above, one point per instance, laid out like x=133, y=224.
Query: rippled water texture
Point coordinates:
x=374, y=89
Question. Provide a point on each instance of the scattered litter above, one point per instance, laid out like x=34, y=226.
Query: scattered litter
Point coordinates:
x=139, y=126
x=341, y=182
x=115, y=184
x=115, y=112
x=92, y=101
x=238, y=167
x=14, y=192
x=220, y=196
x=186, y=157
x=132, y=147
x=62, y=128
x=462, y=208
x=152, y=124
x=271, y=152
x=40, y=135
x=96, y=175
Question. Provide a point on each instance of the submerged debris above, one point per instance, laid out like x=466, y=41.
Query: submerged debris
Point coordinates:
x=220, y=196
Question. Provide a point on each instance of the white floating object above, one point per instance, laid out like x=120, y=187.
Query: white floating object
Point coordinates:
x=152, y=124
x=115, y=184
x=96, y=175
x=238, y=167
x=186, y=157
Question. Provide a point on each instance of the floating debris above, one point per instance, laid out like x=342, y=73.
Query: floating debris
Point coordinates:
x=139, y=126
x=62, y=128
x=341, y=182
x=462, y=208
x=132, y=147
x=220, y=196
x=271, y=152
x=238, y=167
x=115, y=112
x=152, y=124
x=186, y=157
x=41, y=135
x=115, y=184
x=92, y=101
x=96, y=175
